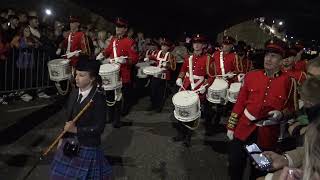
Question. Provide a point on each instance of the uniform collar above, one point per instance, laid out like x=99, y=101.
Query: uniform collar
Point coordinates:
x=277, y=74
x=84, y=93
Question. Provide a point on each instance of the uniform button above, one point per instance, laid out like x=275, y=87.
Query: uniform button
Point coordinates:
x=270, y=80
x=264, y=101
x=268, y=87
x=266, y=94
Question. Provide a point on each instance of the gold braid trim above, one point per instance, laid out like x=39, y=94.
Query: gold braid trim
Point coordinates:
x=208, y=67
x=233, y=120
x=293, y=91
x=301, y=75
x=173, y=63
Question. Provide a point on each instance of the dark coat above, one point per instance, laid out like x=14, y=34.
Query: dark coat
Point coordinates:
x=91, y=124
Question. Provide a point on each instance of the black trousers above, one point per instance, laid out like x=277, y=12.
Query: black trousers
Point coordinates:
x=183, y=132
x=238, y=159
x=113, y=112
x=127, y=98
x=158, y=92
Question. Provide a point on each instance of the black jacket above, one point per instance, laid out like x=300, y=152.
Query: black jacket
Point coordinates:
x=91, y=124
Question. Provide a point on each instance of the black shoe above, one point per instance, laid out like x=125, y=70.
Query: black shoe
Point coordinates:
x=178, y=138
x=187, y=144
x=158, y=110
x=117, y=125
x=150, y=108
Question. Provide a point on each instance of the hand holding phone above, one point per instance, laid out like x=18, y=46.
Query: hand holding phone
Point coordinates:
x=263, y=163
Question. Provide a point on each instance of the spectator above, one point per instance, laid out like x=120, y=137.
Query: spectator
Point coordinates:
x=13, y=26
x=34, y=25
x=141, y=42
x=24, y=42
x=23, y=18
x=101, y=42
x=295, y=158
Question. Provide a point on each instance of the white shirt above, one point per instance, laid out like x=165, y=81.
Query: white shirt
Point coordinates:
x=84, y=93
x=35, y=32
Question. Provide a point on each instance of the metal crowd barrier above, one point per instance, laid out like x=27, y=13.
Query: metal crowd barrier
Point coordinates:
x=25, y=69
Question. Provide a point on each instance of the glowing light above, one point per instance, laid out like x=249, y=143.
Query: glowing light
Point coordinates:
x=48, y=12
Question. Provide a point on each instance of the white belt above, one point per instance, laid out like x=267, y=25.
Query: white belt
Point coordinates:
x=249, y=116
x=267, y=122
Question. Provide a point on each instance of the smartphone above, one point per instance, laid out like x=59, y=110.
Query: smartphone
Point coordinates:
x=261, y=160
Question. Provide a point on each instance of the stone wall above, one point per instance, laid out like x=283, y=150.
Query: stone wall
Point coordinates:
x=247, y=31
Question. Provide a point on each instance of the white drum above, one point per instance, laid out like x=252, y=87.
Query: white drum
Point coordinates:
x=153, y=71
x=233, y=92
x=110, y=74
x=187, y=106
x=140, y=66
x=59, y=69
x=217, y=91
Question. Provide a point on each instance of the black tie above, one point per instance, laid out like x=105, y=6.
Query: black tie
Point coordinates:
x=79, y=98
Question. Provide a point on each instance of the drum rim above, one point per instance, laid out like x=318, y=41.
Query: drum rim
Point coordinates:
x=116, y=66
x=198, y=99
x=112, y=88
x=198, y=115
x=151, y=73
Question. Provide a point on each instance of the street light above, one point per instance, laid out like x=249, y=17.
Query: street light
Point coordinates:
x=48, y=12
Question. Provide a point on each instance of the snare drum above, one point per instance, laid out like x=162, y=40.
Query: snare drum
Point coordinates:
x=217, y=91
x=59, y=69
x=233, y=92
x=141, y=66
x=110, y=74
x=187, y=106
x=153, y=71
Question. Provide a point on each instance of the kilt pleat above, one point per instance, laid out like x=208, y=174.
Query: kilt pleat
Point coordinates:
x=89, y=164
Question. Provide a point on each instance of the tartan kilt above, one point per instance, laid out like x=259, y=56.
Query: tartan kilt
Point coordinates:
x=89, y=164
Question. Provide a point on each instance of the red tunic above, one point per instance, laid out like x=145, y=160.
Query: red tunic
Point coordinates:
x=200, y=71
x=259, y=95
x=124, y=47
x=301, y=65
x=298, y=75
x=161, y=57
x=228, y=62
x=78, y=41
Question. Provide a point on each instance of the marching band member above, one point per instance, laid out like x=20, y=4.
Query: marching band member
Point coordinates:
x=165, y=61
x=76, y=42
x=123, y=51
x=265, y=99
x=242, y=63
x=225, y=66
x=195, y=73
x=79, y=155
x=288, y=66
x=224, y=60
x=300, y=64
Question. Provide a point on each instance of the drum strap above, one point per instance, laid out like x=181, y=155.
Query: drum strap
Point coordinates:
x=162, y=59
x=69, y=44
x=222, y=64
x=114, y=49
x=191, y=73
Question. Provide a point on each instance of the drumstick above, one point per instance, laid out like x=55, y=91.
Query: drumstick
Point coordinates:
x=225, y=75
x=72, y=53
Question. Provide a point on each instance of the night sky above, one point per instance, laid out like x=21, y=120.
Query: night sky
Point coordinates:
x=172, y=17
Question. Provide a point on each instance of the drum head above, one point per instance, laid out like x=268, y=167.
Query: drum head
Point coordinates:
x=152, y=70
x=107, y=68
x=219, y=84
x=185, y=98
x=235, y=87
x=142, y=64
x=58, y=62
